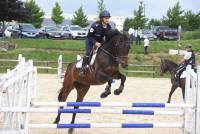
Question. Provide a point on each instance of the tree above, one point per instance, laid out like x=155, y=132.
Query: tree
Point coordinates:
x=191, y=20
x=139, y=19
x=174, y=16
x=57, y=14
x=127, y=24
x=79, y=18
x=101, y=6
x=13, y=10
x=154, y=22
x=36, y=13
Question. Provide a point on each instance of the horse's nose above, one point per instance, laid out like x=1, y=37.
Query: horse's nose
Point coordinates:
x=124, y=65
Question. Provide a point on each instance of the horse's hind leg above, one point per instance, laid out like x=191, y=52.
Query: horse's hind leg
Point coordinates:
x=173, y=88
x=64, y=92
x=81, y=92
x=123, y=79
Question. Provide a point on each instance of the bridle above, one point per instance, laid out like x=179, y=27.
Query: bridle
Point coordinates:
x=117, y=58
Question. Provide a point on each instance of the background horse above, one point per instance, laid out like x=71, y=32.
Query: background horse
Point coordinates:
x=170, y=66
x=105, y=68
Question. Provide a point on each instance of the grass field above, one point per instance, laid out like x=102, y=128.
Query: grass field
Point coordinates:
x=49, y=50
x=43, y=49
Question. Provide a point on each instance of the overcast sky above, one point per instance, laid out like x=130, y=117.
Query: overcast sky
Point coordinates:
x=153, y=8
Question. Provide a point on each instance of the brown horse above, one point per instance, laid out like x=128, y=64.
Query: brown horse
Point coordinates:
x=170, y=66
x=105, y=68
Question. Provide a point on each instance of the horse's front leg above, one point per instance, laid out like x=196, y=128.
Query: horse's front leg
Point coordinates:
x=104, y=77
x=107, y=90
x=121, y=87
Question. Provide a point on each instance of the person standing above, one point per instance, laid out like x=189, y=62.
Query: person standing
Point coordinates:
x=131, y=32
x=95, y=37
x=138, y=36
x=146, y=44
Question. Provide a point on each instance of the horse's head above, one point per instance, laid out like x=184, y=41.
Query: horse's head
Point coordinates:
x=120, y=47
x=163, y=67
x=167, y=65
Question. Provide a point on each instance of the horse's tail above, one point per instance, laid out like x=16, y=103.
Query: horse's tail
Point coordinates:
x=60, y=92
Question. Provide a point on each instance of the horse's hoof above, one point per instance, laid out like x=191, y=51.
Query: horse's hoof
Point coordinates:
x=55, y=122
x=105, y=94
x=71, y=131
x=117, y=92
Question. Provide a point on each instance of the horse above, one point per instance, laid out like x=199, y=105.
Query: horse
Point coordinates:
x=167, y=65
x=112, y=54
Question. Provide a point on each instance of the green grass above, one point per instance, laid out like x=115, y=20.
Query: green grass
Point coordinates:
x=77, y=45
x=189, y=35
x=49, y=50
x=43, y=49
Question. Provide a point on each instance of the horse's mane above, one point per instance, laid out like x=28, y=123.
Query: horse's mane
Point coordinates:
x=171, y=62
x=111, y=34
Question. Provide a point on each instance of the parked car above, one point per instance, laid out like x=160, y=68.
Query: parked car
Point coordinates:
x=165, y=33
x=76, y=31
x=53, y=32
x=66, y=32
x=24, y=30
x=169, y=35
x=8, y=32
x=1, y=30
x=148, y=33
x=156, y=29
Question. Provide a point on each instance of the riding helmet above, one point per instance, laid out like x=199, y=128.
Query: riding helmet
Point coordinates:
x=104, y=13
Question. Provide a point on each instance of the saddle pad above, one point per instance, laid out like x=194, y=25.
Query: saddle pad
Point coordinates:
x=79, y=61
x=183, y=75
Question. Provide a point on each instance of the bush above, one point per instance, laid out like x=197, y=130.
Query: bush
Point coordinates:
x=191, y=35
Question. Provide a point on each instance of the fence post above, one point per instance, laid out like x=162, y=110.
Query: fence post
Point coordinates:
x=197, y=121
x=186, y=100
x=47, y=64
x=60, y=71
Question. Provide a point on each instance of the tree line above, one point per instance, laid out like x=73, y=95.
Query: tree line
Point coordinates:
x=174, y=17
x=30, y=12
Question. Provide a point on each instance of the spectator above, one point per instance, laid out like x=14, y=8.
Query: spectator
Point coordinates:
x=146, y=44
x=138, y=34
x=131, y=33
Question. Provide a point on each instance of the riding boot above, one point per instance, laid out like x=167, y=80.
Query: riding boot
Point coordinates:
x=85, y=62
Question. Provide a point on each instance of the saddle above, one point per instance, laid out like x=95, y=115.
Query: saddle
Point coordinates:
x=80, y=59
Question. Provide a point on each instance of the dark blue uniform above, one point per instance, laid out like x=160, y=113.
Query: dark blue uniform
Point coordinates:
x=182, y=67
x=96, y=33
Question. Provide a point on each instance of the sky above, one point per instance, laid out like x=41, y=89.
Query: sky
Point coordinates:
x=153, y=8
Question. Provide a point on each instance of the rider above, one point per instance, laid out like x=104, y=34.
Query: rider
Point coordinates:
x=95, y=37
x=189, y=59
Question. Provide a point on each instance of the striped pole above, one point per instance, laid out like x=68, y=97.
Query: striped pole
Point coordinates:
x=114, y=104
x=109, y=125
x=93, y=110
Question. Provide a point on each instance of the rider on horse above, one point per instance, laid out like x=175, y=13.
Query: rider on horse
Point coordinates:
x=189, y=59
x=95, y=37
